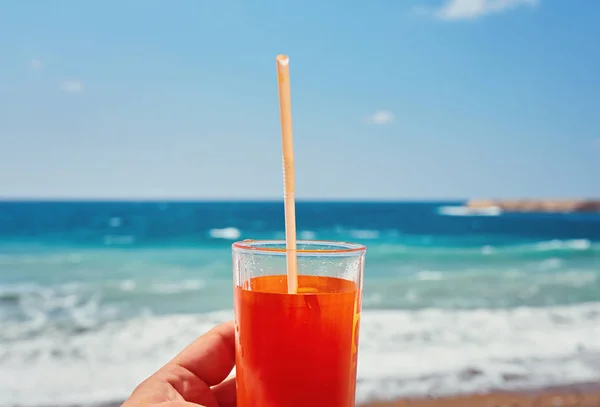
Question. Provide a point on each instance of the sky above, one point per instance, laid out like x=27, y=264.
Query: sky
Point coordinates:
x=411, y=99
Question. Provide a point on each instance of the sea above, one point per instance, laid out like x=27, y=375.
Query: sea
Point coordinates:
x=95, y=296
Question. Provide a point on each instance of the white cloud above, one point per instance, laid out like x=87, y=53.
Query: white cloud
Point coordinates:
x=72, y=86
x=452, y=10
x=381, y=117
x=36, y=65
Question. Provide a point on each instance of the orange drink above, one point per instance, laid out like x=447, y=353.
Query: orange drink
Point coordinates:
x=297, y=349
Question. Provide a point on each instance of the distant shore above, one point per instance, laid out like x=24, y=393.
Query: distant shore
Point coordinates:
x=542, y=205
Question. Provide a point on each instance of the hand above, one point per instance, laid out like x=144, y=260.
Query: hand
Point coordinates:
x=195, y=377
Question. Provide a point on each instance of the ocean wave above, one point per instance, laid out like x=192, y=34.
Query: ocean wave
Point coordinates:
x=429, y=275
x=466, y=211
x=21, y=291
x=229, y=233
x=543, y=247
x=127, y=285
x=12, y=292
x=155, y=286
x=119, y=240
x=42, y=258
x=482, y=287
x=435, y=352
x=566, y=247
x=422, y=352
x=307, y=235
x=552, y=263
x=573, y=278
x=364, y=234
x=42, y=311
x=571, y=244
x=95, y=366
x=177, y=287
x=28, y=310
x=552, y=249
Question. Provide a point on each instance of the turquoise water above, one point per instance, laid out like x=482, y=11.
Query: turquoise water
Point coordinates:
x=95, y=295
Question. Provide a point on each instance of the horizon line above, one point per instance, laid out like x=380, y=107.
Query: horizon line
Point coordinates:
x=278, y=200
x=222, y=200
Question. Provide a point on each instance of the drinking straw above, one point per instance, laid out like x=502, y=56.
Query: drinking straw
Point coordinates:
x=285, y=111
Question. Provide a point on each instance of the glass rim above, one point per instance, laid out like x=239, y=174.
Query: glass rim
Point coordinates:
x=339, y=247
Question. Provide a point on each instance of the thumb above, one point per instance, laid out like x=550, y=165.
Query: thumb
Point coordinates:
x=180, y=404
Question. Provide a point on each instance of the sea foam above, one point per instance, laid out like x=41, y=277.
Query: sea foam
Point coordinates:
x=423, y=352
x=229, y=233
x=466, y=211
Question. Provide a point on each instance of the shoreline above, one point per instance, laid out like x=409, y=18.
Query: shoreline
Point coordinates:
x=575, y=395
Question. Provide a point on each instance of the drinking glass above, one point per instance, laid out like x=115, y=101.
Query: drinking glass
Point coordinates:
x=297, y=349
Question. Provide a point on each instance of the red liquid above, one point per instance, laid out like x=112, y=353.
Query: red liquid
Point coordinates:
x=296, y=350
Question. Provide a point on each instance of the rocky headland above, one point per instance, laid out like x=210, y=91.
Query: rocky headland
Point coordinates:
x=539, y=205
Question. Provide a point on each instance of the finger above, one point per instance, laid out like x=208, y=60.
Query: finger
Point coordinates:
x=212, y=356
x=188, y=386
x=225, y=393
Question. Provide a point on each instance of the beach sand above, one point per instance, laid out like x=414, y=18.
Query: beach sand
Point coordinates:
x=580, y=395
x=587, y=395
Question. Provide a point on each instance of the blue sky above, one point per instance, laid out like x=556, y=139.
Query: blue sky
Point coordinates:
x=412, y=99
